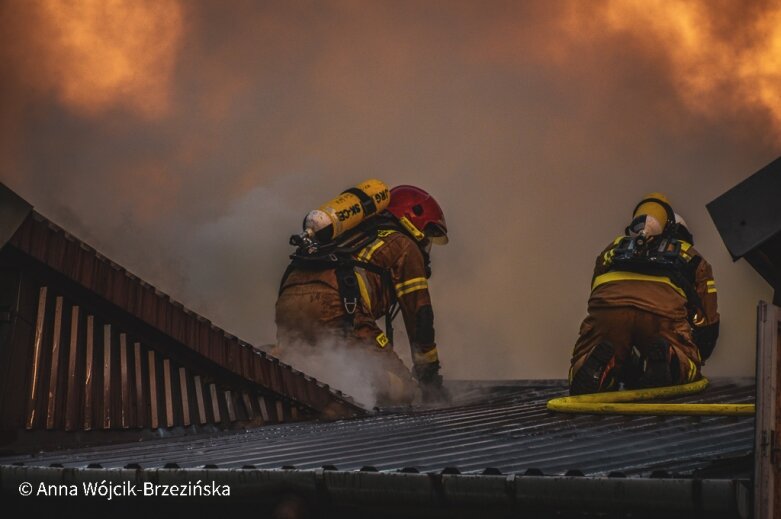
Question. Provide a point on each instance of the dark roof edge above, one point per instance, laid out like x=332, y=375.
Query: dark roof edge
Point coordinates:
x=425, y=492
x=13, y=211
x=744, y=215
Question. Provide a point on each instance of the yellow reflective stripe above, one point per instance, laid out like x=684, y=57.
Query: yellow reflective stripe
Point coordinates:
x=711, y=284
x=368, y=251
x=382, y=340
x=364, y=292
x=411, y=286
x=685, y=246
x=633, y=276
x=607, y=258
x=425, y=358
x=412, y=281
x=414, y=231
x=692, y=371
x=712, y=290
x=385, y=232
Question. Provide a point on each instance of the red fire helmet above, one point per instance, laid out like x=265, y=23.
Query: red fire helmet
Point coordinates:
x=416, y=208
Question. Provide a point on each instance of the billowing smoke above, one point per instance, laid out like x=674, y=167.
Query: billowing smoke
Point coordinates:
x=356, y=371
x=93, y=56
x=723, y=58
x=187, y=140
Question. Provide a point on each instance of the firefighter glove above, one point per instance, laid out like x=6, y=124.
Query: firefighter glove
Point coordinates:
x=428, y=373
x=431, y=382
x=705, y=338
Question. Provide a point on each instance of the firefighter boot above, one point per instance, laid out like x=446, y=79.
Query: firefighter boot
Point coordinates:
x=632, y=369
x=595, y=374
x=657, y=366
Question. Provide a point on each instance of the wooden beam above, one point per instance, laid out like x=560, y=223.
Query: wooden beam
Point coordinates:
x=124, y=417
x=263, y=406
x=247, y=405
x=230, y=406
x=88, y=373
x=51, y=408
x=185, y=396
x=199, y=400
x=767, y=479
x=140, y=417
x=169, y=401
x=215, y=403
x=155, y=423
x=72, y=400
x=107, y=376
x=32, y=400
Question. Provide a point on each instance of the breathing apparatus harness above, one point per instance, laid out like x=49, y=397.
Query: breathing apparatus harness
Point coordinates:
x=661, y=255
x=340, y=255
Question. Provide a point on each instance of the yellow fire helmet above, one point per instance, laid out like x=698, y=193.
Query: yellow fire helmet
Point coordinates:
x=651, y=216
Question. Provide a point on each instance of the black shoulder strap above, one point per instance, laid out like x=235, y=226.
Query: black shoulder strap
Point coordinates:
x=286, y=275
x=348, y=291
x=680, y=271
x=340, y=257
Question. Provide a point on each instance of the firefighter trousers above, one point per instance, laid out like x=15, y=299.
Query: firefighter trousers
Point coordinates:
x=628, y=327
x=314, y=337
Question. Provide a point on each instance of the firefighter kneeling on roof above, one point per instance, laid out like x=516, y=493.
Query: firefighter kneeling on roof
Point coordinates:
x=363, y=256
x=652, y=315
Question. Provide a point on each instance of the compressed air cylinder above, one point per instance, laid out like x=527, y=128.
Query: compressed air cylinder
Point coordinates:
x=347, y=210
x=650, y=216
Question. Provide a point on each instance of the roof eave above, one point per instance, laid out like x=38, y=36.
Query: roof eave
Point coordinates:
x=422, y=494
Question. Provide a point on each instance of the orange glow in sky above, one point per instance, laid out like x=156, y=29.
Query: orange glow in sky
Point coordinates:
x=713, y=71
x=101, y=54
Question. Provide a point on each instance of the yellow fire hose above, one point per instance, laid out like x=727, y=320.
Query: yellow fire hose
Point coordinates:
x=624, y=402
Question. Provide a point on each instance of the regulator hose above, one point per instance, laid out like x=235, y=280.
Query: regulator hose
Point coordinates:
x=625, y=402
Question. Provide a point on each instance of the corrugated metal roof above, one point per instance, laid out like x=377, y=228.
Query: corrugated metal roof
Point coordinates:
x=500, y=426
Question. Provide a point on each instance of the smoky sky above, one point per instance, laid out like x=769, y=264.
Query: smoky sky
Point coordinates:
x=187, y=140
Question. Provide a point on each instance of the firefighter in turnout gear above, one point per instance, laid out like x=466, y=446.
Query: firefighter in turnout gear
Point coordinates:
x=334, y=293
x=652, y=315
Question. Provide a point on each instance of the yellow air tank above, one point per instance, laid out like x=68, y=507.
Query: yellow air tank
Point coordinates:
x=346, y=211
x=655, y=213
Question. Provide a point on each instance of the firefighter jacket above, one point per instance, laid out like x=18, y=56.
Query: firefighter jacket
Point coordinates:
x=405, y=281
x=686, y=291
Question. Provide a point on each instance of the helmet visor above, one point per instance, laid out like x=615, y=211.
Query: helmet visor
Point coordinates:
x=436, y=233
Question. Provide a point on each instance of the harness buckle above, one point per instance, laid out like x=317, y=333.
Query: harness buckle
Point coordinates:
x=350, y=306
